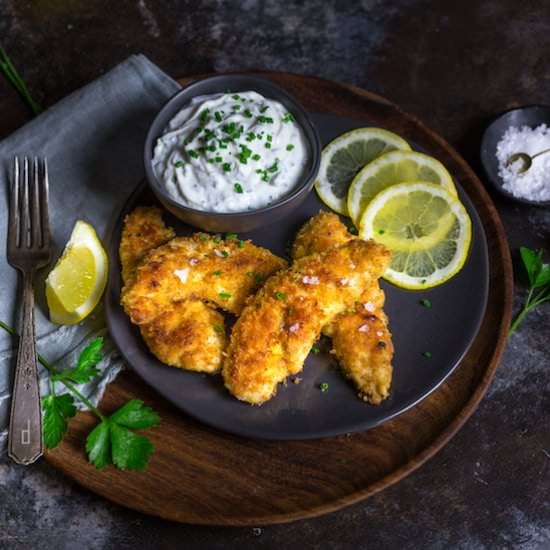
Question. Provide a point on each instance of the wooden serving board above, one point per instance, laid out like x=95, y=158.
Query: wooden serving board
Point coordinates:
x=202, y=476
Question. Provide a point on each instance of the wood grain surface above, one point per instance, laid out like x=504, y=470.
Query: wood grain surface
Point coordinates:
x=202, y=476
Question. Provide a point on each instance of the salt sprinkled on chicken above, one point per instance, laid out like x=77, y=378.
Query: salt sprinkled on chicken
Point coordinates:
x=182, y=274
x=363, y=328
x=369, y=306
x=533, y=184
x=310, y=280
x=193, y=261
x=294, y=328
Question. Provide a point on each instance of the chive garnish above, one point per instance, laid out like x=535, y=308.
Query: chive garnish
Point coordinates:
x=289, y=147
x=192, y=153
x=218, y=116
x=426, y=303
x=267, y=145
x=255, y=156
x=280, y=295
x=315, y=349
x=224, y=295
x=288, y=117
x=427, y=354
x=264, y=109
x=238, y=188
x=179, y=164
x=218, y=329
x=216, y=273
x=231, y=236
x=381, y=231
x=323, y=387
x=236, y=96
x=265, y=119
x=247, y=113
x=226, y=167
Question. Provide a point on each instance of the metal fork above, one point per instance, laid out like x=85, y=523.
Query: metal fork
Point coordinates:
x=28, y=250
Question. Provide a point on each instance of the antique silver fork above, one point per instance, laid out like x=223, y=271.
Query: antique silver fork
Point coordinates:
x=28, y=249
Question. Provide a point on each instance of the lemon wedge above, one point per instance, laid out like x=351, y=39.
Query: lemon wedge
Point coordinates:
x=427, y=229
x=76, y=283
x=389, y=169
x=343, y=157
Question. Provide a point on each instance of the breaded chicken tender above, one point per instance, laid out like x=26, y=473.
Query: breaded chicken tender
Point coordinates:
x=361, y=339
x=143, y=230
x=221, y=272
x=276, y=330
x=189, y=334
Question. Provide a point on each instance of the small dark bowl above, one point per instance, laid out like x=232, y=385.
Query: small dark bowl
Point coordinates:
x=530, y=115
x=239, y=221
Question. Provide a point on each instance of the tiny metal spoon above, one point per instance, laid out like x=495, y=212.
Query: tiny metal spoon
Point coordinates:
x=526, y=160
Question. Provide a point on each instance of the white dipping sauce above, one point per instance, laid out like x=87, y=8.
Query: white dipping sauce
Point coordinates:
x=230, y=152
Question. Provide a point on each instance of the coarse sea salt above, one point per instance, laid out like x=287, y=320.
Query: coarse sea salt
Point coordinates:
x=534, y=184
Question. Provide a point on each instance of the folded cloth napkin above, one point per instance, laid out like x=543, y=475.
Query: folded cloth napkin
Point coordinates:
x=93, y=140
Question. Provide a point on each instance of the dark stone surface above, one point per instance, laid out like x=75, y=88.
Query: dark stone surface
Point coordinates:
x=455, y=65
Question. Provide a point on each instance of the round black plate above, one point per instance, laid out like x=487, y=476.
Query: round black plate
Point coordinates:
x=532, y=116
x=303, y=411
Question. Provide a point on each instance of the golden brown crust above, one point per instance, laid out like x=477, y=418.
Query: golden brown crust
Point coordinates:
x=361, y=338
x=189, y=335
x=143, y=230
x=222, y=272
x=276, y=330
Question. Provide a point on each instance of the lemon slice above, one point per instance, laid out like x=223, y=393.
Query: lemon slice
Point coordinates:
x=76, y=283
x=389, y=169
x=427, y=229
x=343, y=157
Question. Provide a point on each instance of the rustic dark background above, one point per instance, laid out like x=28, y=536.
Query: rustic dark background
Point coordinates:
x=455, y=65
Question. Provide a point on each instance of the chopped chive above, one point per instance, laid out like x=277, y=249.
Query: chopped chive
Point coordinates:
x=241, y=243
x=323, y=387
x=255, y=156
x=251, y=136
x=247, y=113
x=280, y=295
x=179, y=164
x=353, y=230
x=267, y=145
x=236, y=96
x=427, y=354
x=288, y=117
x=216, y=273
x=426, y=303
x=238, y=188
x=218, y=329
x=204, y=238
x=218, y=116
x=269, y=137
x=315, y=349
x=212, y=148
x=192, y=153
x=274, y=167
x=225, y=254
x=265, y=119
x=289, y=147
x=217, y=240
x=204, y=116
x=264, y=109
x=381, y=231
x=226, y=167
x=236, y=107
x=231, y=236
x=245, y=154
x=224, y=295
x=218, y=159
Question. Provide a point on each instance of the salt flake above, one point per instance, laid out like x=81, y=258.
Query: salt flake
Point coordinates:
x=182, y=274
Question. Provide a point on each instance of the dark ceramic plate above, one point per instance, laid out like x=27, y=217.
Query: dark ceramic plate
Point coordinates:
x=532, y=116
x=303, y=411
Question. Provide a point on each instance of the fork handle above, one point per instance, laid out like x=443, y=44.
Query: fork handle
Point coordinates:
x=25, y=434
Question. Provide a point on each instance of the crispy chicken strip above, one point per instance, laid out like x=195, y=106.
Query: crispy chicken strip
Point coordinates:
x=189, y=334
x=361, y=338
x=143, y=230
x=221, y=272
x=276, y=330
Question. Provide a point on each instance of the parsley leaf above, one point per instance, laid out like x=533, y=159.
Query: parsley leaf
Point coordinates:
x=113, y=441
x=538, y=277
x=85, y=368
x=57, y=411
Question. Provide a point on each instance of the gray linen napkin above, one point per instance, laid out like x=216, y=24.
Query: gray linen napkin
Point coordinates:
x=93, y=140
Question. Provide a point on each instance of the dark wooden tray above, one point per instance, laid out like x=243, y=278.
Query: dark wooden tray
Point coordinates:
x=202, y=476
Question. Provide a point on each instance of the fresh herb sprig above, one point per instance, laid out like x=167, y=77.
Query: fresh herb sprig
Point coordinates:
x=113, y=440
x=538, y=277
x=9, y=71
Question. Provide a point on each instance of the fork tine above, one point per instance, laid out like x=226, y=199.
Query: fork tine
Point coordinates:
x=13, y=221
x=44, y=206
x=36, y=240
x=24, y=207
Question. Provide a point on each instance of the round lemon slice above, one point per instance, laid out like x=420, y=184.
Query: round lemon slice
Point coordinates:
x=343, y=157
x=426, y=228
x=389, y=169
x=76, y=283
